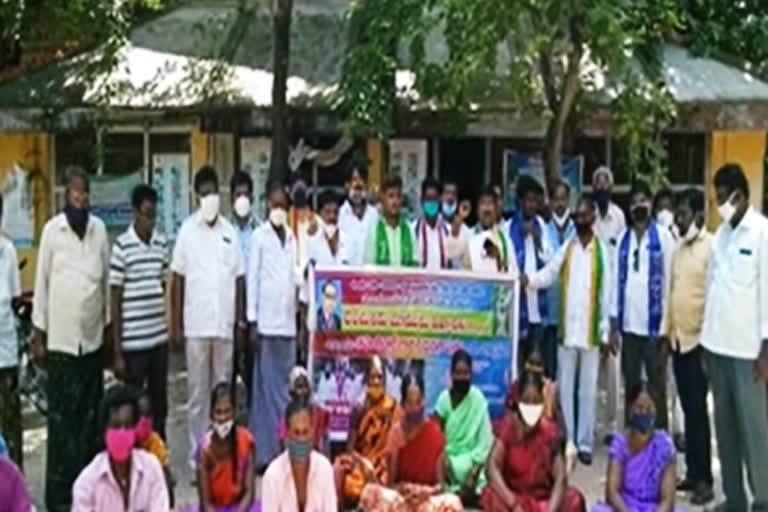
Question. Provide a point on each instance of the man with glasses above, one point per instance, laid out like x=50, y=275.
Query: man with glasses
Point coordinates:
x=638, y=314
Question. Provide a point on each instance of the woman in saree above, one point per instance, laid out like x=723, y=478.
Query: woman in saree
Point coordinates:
x=462, y=412
x=526, y=469
x=641, y=463
x=366, y=459
x=416, y=447
x=225, y=459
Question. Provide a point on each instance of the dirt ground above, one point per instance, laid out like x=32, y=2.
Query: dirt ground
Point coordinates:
x=590, y=480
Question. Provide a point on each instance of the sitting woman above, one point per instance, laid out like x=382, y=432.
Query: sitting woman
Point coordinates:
x=225, y=476
x=463, y=414
x=301, y=478
x=13, y=489
x=366, y=460
x=136, y=480
x=526, y=469
x=300, y=390
x=641, y=465
x=416, y=447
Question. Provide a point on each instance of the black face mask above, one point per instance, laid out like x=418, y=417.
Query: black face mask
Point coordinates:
x=640, y=214
x=582, y=228
x=601, y=198
x=460, y=387
x=77, y=218
x=299, y=197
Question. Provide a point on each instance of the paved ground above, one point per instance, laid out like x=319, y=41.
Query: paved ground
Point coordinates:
x=590, y=480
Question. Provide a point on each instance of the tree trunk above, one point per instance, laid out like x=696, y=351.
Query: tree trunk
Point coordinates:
x=281, y=54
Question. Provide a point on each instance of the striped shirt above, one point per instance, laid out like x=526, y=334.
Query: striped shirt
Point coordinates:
x=141, y=269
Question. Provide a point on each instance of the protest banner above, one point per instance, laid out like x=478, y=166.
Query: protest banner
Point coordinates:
x=414, y=320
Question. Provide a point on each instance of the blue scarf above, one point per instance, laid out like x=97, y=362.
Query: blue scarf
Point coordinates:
x=518, y=240
x=655, y=278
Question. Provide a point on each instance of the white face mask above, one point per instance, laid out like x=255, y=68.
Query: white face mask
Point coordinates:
x=223, y=429
x=692, y=233
x=531, y=413
x=726, y=210
x=330, y=230
x=666, y=218
x=278, y=217
x=561, y=220
x=242, y=206
x=209, y=207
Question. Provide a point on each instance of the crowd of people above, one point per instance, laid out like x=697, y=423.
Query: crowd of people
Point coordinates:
x=604, y=298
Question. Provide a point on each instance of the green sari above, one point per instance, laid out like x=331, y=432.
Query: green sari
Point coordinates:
x=468, y=437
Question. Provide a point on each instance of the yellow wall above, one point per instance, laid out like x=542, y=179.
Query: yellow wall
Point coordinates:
x=746, y=148
x=31, y=152
x=375, y=162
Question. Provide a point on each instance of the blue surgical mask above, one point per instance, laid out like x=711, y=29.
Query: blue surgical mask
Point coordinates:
x=449, y=209
x=642, y=423
x=430, y=209
x=299, y=449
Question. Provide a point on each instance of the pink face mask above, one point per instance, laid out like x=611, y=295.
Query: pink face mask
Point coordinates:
x=120, y=442
x=143, y=429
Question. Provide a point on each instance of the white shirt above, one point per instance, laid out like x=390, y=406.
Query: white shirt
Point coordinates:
x=431, y=237
x=636, y=293
x=278, y=493
x=736, y=312
x=319, y=253
x=456, y=247
x=272, y=282
x=71, y=302
x=532, y=296
x=10, y=288
x=356, y=230
x=610, y=227
x=577, y=300
x=481, y=262
x=210, y=260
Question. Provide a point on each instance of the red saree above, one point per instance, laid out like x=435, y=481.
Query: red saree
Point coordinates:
x=418, y=456
x=528, y=469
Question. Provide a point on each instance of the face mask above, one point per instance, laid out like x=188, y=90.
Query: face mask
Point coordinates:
x=726, y=210
x=413, y=418
x=76, y=217
x=356, y=196
x=299, y=449
x=582, y=228
x=209, y=207
x=666, y=218
x=449, y=209
x=120, y=442
x=642, y=423
x=278, y=217
x=223, y=429
x=299, y=197
x=531, y=413
x=640, y=213
x=601, y=198
x=143, y=429
x=330, y=230
x=430, y=209
x=692, y=233
x=375, y=392
x=561, y=220
x=461, y=386
x=242, y=206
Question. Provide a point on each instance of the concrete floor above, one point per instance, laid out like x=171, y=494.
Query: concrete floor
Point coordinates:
x=590, y=480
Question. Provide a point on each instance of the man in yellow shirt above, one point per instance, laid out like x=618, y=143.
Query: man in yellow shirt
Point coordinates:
x=688, y=292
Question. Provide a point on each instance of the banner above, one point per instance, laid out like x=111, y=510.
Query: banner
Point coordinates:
x=526, y=164
x=170, y=178
x=255, y=154
x=111, y=199
x=415, y=320
x=18, y=215
x=408, y=159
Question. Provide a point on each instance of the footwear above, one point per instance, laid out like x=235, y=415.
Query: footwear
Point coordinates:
x=680, y=443
x=585, y=458
x=702, y=494
x=685, y=485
